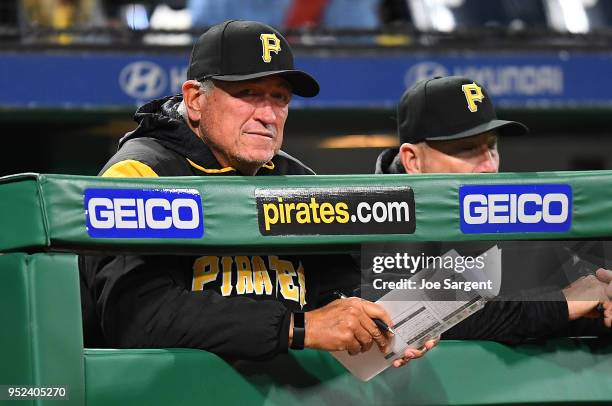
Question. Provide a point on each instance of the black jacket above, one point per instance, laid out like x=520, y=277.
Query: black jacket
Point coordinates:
x=535, y=313
x=237, y=306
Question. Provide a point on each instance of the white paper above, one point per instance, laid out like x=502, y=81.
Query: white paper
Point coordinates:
x=418, y=316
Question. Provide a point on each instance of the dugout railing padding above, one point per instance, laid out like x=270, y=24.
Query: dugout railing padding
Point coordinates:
x=43, y=225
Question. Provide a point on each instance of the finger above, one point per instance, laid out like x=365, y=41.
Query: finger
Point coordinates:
x=604, y=275
x=413, y=353
x=368, y=324
x=608, y=314
x=364, y=338
x=398, y=363
x=354, y=347
x=375, y=311
x=379, y=338
x=374, y=332
x=431, y=343
x=357, y=323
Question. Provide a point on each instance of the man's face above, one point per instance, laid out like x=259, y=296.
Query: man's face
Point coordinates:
x=243, y=122
x=477, y=154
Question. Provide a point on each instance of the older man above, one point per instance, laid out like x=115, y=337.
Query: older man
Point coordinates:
x=229, y=120
x=449, y=125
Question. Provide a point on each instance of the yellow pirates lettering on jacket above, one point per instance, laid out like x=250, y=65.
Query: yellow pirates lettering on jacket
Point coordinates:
x=473, y=94
x=261, y=278
x=269, y=43
x=285, y=277
x=243, y=275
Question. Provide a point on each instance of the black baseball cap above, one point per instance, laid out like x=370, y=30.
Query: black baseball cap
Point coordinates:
x=449, y=108
x=239, y=50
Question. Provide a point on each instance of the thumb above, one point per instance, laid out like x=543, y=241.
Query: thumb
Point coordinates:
x=604, y=275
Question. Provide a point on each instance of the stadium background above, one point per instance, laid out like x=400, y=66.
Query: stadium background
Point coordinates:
x=72, y=73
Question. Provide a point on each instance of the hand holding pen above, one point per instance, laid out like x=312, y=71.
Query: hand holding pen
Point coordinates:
x=409, y=353
x=382, y=326
x=346, y=325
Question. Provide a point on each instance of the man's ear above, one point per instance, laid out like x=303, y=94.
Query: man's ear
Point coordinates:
x=411, y=157
x=191, y=97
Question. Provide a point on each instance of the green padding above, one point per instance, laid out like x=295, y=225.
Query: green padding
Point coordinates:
x=454, y=373
x=21, y=214
x=41, y=340
x=232, y=222
x=14, y=319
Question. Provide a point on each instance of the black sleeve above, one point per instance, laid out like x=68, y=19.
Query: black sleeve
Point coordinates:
x=144, y=302
x=584, y=327
x=514, y=320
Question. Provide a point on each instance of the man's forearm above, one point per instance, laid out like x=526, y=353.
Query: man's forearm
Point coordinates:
x=514, y=320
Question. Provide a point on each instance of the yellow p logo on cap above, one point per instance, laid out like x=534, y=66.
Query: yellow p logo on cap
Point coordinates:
x=473, y=94
x=269, y=43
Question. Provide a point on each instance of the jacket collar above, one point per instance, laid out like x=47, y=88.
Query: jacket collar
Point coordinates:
x=161, y=120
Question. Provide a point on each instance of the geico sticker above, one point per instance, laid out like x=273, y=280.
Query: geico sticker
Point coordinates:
x=536, y=208
x=143, y=213
x=335, y=211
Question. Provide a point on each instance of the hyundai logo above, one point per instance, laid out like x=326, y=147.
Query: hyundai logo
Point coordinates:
x=143, y=80
x=423, y=71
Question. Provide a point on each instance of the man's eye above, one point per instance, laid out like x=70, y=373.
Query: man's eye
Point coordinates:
x=281, y=97
x=469, y=148
x=246, y=92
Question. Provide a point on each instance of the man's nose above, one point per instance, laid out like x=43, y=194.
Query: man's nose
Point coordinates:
x=487, y=161
x=265, y=113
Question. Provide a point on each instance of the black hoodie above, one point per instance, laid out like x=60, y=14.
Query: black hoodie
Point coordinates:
x=388, y=162
x=237, y=306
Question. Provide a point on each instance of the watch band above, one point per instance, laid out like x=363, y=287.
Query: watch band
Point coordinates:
x=299, y=331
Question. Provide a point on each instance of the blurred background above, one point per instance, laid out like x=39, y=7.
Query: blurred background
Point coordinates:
x=72, y=72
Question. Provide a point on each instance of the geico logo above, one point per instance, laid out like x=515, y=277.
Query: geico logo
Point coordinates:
x=328, y=213
x=153, y=213
x=528, y=208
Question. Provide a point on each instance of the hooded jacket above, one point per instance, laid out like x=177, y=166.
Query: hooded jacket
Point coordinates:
x=237, y=306
x=389, y=162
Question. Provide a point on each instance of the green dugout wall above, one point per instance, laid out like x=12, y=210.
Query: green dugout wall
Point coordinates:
x=44, y=222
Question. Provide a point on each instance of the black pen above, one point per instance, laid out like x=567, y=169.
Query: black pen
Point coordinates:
x=382, y=326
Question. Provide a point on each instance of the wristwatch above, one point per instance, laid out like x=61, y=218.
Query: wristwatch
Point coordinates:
x=299, y=332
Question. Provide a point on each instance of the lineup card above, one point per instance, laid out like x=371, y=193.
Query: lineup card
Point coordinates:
x=419, y=315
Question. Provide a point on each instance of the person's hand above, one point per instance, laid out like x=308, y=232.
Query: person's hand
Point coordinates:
x=346, y=325
x=413, y=353
x=605, y=276
x=584, y=294
x=607, y=313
